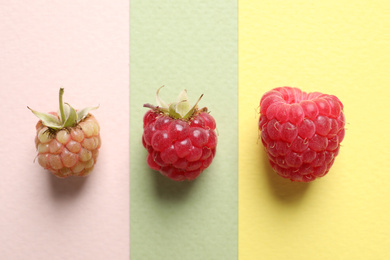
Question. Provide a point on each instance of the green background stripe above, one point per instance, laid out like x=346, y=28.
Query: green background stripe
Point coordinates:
x=184, y=45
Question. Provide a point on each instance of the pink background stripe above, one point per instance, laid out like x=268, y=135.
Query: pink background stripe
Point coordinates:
x=82, y=46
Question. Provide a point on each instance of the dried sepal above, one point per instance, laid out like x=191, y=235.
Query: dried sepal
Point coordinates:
x=182, y=104
x=81, y=114
x=70, y=117
x=159, y=101
x=48, y=120
x=193, y=109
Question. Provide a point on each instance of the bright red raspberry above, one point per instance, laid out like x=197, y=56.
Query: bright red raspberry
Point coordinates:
x=301, y=132
x=181, y=140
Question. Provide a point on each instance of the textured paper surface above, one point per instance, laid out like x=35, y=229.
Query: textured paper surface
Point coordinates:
x=337, y=47
x=185, y=45
x=82, y=46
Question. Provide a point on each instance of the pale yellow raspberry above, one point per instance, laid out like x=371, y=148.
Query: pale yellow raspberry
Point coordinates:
x=67, y=143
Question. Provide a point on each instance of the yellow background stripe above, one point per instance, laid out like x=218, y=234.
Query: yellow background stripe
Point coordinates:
x=336, y=47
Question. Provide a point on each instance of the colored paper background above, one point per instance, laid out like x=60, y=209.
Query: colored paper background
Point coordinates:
x=336, y=47
x=185, y=45
x=82, y=46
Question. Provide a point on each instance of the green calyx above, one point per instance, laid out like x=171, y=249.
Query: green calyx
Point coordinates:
x=67, y=115
x=181, y=109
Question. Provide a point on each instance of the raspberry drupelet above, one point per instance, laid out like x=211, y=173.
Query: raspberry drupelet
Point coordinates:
x=181, y=140
x=301, y=132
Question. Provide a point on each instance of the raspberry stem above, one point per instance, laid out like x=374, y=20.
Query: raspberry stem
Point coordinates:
x=62, y=105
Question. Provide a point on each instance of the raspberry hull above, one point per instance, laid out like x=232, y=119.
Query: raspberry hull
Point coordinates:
x=179, y=149
x=301, y=132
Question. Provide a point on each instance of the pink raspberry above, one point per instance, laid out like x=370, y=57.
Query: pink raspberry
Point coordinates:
x=180, y=140
x=301, y=132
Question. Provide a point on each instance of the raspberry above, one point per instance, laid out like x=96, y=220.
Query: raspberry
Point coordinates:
x=181, y=140
x=301, y=132
x=68, y=142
